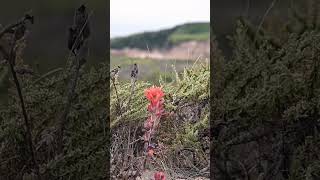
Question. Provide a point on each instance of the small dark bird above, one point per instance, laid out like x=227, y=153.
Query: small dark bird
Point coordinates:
x=134, y=71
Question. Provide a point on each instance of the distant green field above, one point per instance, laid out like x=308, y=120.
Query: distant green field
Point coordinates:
x=188, y=32
x=149, y=70
x=176, y=38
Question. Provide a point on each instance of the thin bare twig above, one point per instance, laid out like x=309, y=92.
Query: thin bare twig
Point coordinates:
x=134, y=77
x=117, y=96
x=47, y=74
x=264, y=17
x=26, y=119
x=11, y=57
x=71, y=89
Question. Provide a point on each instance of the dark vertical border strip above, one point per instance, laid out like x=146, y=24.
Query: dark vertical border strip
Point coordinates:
x=108, y=86
x=211, y=91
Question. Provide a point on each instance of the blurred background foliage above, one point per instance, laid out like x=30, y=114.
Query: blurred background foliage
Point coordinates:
x=265, y=103
x=47, y=41
x=45, y=52
x=46, y=47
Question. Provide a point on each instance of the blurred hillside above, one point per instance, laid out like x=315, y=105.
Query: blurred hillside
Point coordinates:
x=164, y=39
x=161, y=53
x=47, y=41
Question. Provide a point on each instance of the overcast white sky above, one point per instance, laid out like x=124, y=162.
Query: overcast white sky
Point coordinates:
x=133, y=16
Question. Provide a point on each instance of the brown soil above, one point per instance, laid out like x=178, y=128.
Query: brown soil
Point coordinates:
x=149, y=175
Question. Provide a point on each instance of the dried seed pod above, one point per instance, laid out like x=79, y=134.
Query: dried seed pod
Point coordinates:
x=80, y=32
x=29, y=18
x=82, y=22
x=115, y=71
x=134, y=71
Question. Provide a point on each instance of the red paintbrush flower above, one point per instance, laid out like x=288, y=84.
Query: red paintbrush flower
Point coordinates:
x=151, y=152
x=159, y=176
x=148, y=124
x=156, y=109
x=154, y=94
